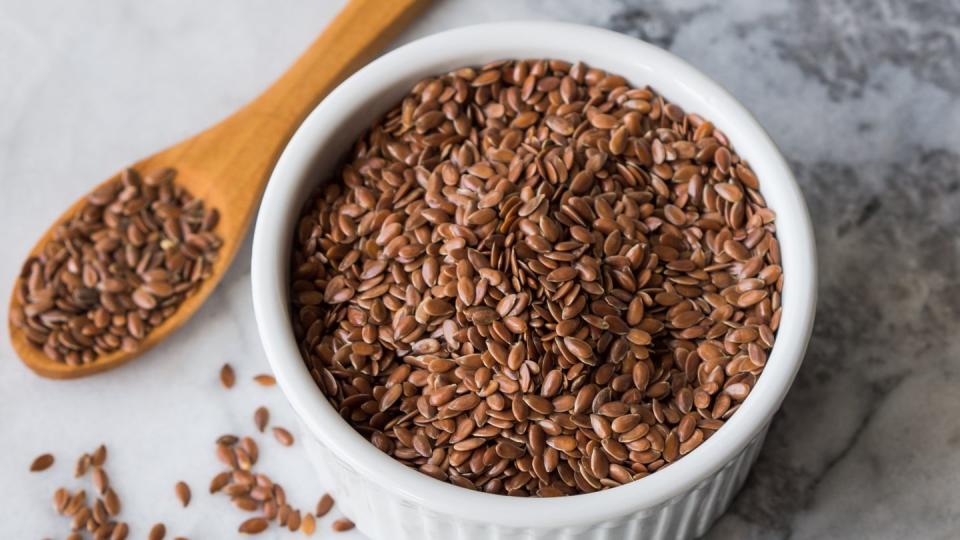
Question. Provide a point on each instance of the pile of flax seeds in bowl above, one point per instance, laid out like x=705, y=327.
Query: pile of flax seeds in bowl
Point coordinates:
x=534, y=279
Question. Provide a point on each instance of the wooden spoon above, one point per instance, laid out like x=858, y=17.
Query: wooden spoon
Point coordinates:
x=228, y=165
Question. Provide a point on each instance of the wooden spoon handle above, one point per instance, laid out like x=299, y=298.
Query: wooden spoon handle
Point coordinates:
x=243, y=148
x=358, y=32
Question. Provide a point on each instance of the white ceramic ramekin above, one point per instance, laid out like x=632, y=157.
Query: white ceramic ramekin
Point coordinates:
x=390, y=501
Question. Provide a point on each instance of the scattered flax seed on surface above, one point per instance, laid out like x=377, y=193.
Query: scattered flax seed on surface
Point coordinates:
x=157, y=532
x=219, y=481
x=117, y=268
x=227, y=439
x=294, y=520
x=253, y=491
x=96, y=516
x=183, y=493
x=100, y=480
x=342, y=524
x=265, y=380
x=120, y=532
x=227, y=376
x=283, y=436
x=253, y=526
x=324, y=505
x=41, y=463
x=99, y=456
x=261, y=417
x=83, y=463
x=308, y=525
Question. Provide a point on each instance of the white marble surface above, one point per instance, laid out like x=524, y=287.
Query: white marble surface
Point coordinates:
x=862, y=95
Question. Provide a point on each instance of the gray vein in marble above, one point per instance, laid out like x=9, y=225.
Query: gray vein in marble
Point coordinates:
x=840, y=41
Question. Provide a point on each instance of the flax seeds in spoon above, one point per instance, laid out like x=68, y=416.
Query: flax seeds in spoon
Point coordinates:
x=116, y=269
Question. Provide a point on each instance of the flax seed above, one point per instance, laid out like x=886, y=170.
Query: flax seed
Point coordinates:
x=324, y=505
x=41, y=463
x=157, y=532
x=342, y=525
x=283, y=436
x=265, y=380
x=182, y=491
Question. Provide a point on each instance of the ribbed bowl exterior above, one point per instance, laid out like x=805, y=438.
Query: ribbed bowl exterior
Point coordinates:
x=383, y=515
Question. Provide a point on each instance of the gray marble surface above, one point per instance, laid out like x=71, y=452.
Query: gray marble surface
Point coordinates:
x=863, y=96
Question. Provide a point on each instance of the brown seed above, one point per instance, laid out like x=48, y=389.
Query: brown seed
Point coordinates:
x=578, y=347
x=308, y=525
x=265, y=380
x=60, y=500
x=157, y=532
x=639, y=337
x=219, y=481
x=183, y=493
x=736, y=250
x=283, y=436
x=100, y=515
x=729, y=192
x=564, y=273
x=83, y=463
x=563, y=443
x=111, y=502
x=245, y=503
x=261, y=417
x=342, y=525
x=559, y=125
x=487, y=77
x=80, y=518
x=41, y=463
x=324, y=505
x=744, y=334
x=100, y=480
x=390, y=397
x=227, y=377
x=751, y=298
x=227, y=440
x=99, y=456
x=293, y=522
x=539, y=404
x=120, y=532
x=253, y=526
x=77, y=501
x=226, y=455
